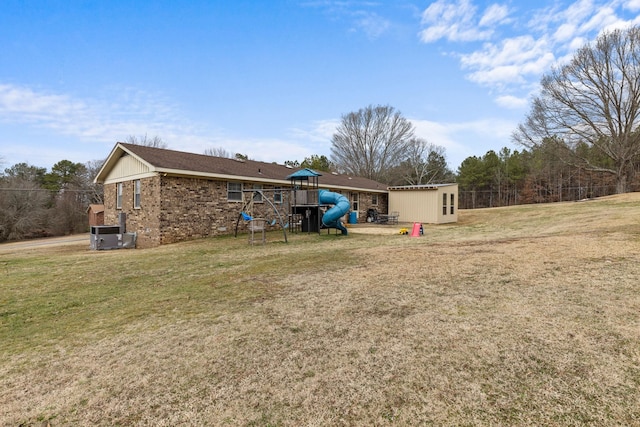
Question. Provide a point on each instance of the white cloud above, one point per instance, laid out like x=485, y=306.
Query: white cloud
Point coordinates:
x=576, y=43
x=260, y=149
x=578, y=11
x=451, y=21
x=511, y=102
x=314, y=139
x=297, y=144
x=508, y=62
x=372, y=24
x=320, y=131
x=495, y=14
x=89, y=119
x=358, y=13
x=441, y=134
x=632, y=5
x=23, y=105
x=604, y=18
x=479, y=136
x=129, y=112
x=565, y=32
x=514, y=64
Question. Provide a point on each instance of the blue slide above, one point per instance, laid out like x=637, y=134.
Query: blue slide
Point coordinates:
x=341, y=206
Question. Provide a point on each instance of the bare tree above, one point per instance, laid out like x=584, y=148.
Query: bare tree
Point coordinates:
x=69, y=213
x=371, y=141
x=22, y=209
x=218, y=152
x=593, y=100
x=425, y=164
x=155, y=142
x=94, y=191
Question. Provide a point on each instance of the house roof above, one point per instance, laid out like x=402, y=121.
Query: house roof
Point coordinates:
x=160, y=160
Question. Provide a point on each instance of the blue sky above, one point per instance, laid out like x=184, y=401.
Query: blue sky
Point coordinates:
x=271, y=79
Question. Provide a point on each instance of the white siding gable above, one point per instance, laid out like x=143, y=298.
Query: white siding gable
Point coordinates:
x=128, y=167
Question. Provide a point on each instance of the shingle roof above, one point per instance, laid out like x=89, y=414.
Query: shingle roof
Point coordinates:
x=193, y=164
x=96, y=208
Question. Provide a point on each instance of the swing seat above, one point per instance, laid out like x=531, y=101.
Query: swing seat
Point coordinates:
x=246, y=216
x=256, y=228
x=273, y=222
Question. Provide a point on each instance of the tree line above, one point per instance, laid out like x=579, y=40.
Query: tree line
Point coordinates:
x=537, y=175
x=35, y=202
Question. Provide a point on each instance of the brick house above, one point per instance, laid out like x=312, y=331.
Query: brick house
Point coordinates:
x=170, y=196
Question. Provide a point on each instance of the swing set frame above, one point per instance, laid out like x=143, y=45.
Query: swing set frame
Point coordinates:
x=249, y=203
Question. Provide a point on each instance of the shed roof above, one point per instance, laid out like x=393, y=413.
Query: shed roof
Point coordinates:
x=95, y=208
x=420, y=187
x=160, y=160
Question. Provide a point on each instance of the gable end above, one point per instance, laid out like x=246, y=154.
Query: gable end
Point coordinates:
x=128, y=167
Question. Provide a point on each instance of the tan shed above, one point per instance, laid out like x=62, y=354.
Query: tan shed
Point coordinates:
x=430, y=204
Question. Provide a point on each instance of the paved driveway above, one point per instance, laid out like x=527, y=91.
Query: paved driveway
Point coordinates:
x=76, y=239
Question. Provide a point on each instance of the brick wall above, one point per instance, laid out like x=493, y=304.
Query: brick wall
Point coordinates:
x=194, y=208
x=145, y=221
x=366, y=202
x=110, y=213
x=175, y=209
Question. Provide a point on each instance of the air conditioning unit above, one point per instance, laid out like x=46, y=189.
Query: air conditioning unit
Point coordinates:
x=105, y=237
x=128, y=240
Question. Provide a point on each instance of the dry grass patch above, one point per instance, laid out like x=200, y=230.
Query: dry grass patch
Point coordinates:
x=520, y=316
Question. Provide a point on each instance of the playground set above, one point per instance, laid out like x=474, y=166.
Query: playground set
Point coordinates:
x=308, y=208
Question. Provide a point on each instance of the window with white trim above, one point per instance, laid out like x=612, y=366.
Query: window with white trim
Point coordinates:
x=137, y=194
x=234, y=191
x=354, y=201
x=277, y=195
x=119, y=195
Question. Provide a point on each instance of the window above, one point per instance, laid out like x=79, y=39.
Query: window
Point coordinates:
x=453, y=198
x=119, y=195
x=136, y=194
x=277, y=195
x=234, y=191
x=444, y=203
x=354, y=201
x=257, y=196
x=374, y=199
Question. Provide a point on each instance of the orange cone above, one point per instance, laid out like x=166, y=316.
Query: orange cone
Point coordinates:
x=417, y=229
